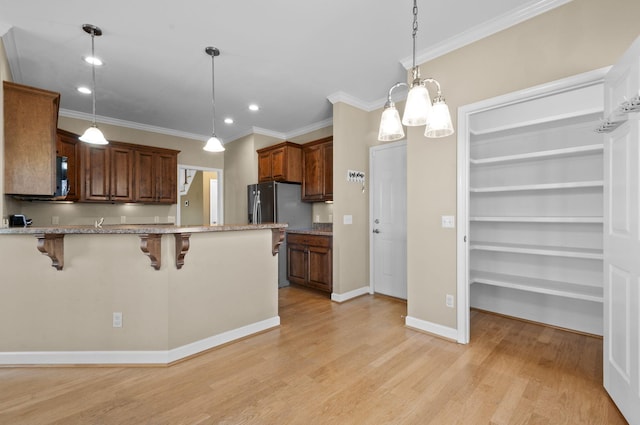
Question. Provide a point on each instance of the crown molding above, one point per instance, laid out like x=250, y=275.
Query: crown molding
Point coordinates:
x=343, y=97
x=309, y=128
x=130, y=124
x=11, y=51
x=270, y=133
x=4, y=28
x=484, y=30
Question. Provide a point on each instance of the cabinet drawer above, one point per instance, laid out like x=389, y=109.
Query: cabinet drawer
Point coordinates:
x=311, y=240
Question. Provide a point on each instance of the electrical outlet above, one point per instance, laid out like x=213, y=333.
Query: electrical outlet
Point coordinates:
x=347, y=219
x=449, y=300
x=117, y=319
x=123, y=219
x=55, y=220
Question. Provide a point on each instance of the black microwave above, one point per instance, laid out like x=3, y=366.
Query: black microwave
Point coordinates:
x=62, y=180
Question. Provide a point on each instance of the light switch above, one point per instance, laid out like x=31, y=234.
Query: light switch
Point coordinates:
x=448, y=221
x=348, y=219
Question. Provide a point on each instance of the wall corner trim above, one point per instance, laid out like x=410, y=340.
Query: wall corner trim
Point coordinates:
x=432, y=328
x=339, y=298
x=159, y=357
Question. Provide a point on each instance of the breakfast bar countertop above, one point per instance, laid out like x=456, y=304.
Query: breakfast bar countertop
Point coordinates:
x=135, y=229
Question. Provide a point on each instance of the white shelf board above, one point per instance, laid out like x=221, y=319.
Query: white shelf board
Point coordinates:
x=526, y=124
x=541, y=286
x=546, y=186
x=496, y=219
x=552, y=251
x=555, y=153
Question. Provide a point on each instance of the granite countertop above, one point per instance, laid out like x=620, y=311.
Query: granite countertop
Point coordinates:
x=311, y=232
x=136, y=229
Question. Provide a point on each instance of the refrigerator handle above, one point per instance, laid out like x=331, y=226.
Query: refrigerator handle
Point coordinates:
x=258, y=208
x=254, y=210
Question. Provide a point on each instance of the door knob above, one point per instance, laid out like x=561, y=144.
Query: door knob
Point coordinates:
x=376, y=230
x=376, y=221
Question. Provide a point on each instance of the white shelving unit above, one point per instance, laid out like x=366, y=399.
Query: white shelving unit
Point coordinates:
x=536, y=210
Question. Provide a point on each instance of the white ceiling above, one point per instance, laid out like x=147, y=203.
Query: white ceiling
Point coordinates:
x=287, y=56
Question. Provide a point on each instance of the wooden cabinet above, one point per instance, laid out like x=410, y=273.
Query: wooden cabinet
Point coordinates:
x=155, y=179
x=309, y=260
x=281, y=162
x=30, y=122
x=67, y=145
x=317, y=170
x=123, y=172
x=108, y=173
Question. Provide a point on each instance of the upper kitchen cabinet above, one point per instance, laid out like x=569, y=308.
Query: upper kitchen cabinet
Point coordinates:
x=155, y=175
x=123, y=172
x=30, y=122
x=67, y=145
x=281, y=162
x=317, y=166
x=108, y=173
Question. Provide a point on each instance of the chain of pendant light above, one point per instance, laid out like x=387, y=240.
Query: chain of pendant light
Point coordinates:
x=415, y=30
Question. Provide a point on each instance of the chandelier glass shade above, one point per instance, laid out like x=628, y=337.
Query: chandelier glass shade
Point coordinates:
x=419, y=109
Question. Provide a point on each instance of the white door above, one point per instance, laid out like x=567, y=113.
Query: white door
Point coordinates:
x=388, y=219
x=621, y=352
x=213, y=201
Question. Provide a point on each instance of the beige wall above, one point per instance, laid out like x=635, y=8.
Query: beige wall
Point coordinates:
x=355, y=131
x=578, y=37
x=42, y=309
x=193, y=214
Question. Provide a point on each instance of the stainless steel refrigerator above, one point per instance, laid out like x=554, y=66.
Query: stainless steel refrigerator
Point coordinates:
x=275, y=202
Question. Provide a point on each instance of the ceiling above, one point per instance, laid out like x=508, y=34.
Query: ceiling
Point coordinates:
x=286, y=56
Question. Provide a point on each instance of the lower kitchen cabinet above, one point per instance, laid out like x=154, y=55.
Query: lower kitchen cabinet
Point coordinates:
x=309, y=260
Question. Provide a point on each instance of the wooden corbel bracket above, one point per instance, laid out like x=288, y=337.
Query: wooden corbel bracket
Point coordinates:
x=151, y=245
x=277, y=236
x=52, y=245
x=182, y=246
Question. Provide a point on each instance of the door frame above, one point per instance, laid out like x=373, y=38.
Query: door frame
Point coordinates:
x=219, y=171
x=372, y=171
x=464, y=135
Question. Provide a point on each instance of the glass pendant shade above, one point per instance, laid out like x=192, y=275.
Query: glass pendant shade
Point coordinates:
x=390, y=125
x=94, y=136
x=213, y=145
x=439, y=122
x=418, y=106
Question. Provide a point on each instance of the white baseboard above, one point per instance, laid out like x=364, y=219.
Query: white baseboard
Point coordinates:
x=339, y=298
x=159, y=357
x=432, y=328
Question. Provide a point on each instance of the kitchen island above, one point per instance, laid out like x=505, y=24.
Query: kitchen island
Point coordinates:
x=199, y=287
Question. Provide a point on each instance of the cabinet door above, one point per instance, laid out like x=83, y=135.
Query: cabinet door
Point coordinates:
x=320, y=268
x=145, y=182
x=297, y=263
x=97, y=173
x=121, y=174
x=328, y=172
x=67, y=145
x=278, y=164
x=166, y=166
x=264, y=167
x=30, y=121
x=312, y=182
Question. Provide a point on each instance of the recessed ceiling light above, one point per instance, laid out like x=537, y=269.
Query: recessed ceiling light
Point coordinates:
x=254, y=107
x=91, y=60
x=84, y=90
x=228, y=120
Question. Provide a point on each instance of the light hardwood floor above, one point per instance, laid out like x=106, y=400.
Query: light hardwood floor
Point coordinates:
x=328, y=363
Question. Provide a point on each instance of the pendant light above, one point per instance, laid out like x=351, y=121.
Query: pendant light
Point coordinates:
x=418, y=109
x=213, y=144
x=93, y=134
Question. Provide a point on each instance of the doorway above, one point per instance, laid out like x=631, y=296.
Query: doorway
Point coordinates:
x=200, y=196
x=388, y=219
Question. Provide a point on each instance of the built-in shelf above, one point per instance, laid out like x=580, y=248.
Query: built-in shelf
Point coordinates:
x=497, y=219
x=548, y=154
x=541, y=286
x=554, y=251
x=545, y=186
